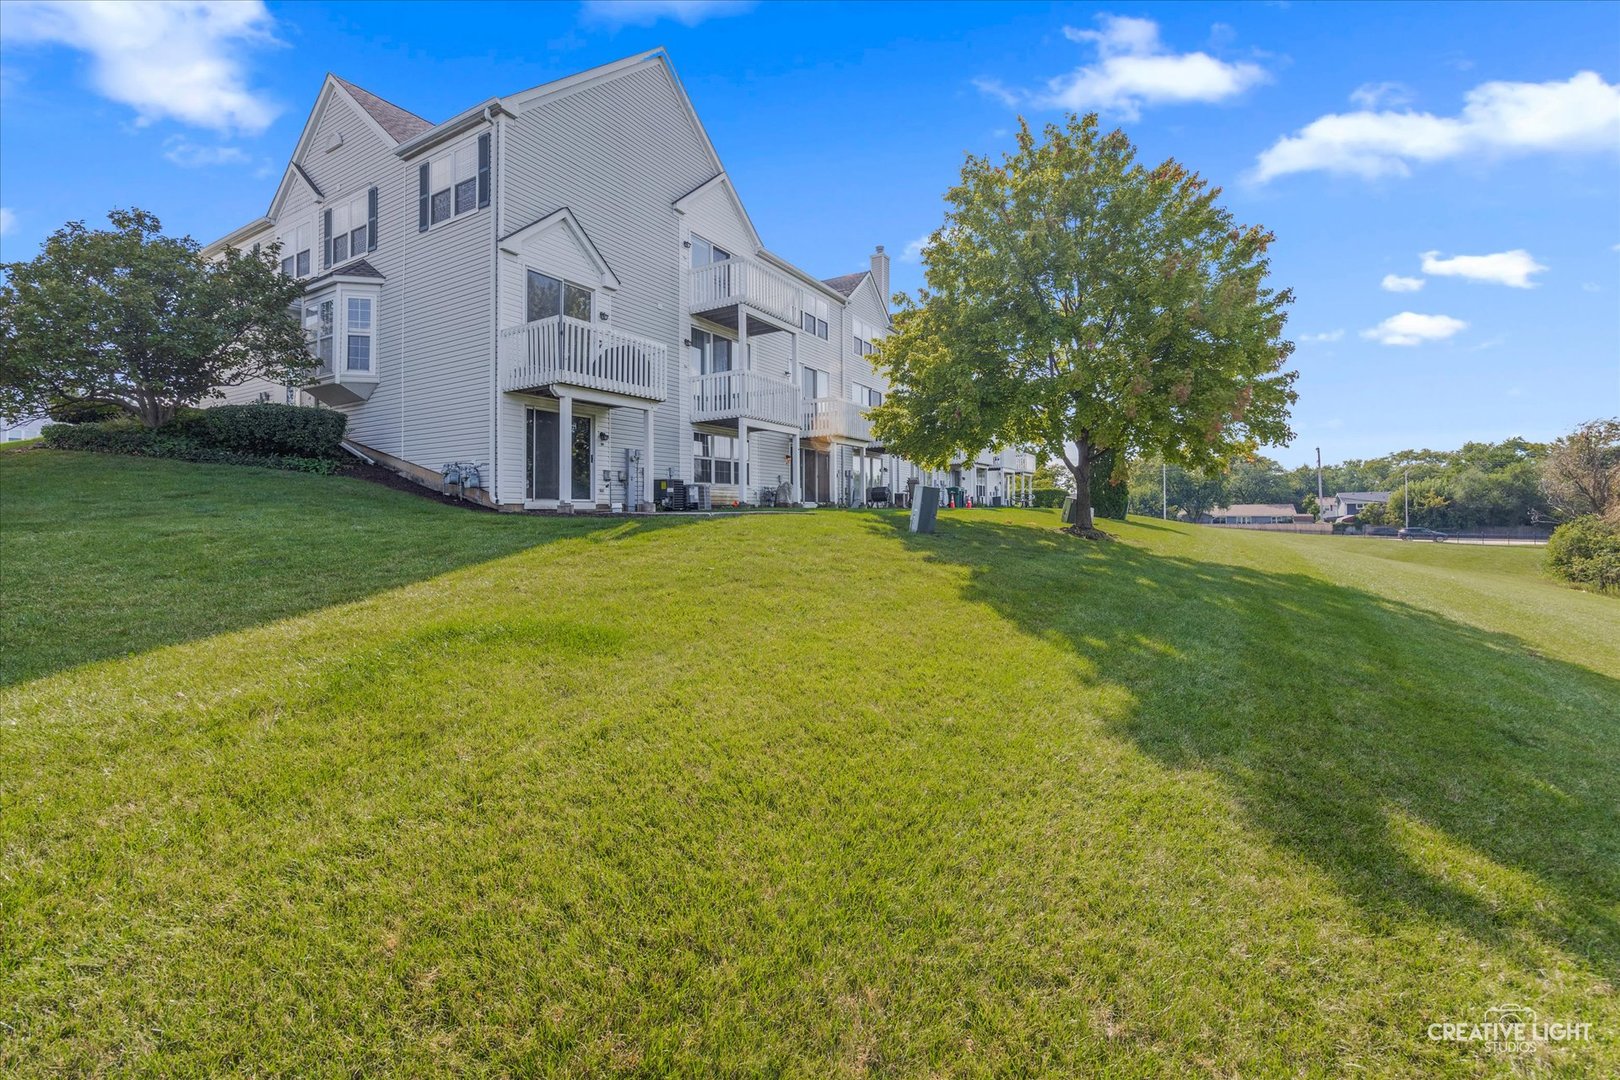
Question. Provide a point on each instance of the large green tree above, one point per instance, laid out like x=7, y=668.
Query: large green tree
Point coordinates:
x=1581, y=471
x=1082, y=303
x=132, y=318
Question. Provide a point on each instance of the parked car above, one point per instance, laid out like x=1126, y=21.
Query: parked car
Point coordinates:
x=1423, y=534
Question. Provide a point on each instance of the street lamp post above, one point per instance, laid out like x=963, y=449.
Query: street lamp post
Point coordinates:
x=1406, y=490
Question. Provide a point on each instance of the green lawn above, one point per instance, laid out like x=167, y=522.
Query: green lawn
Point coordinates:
x=300, y=776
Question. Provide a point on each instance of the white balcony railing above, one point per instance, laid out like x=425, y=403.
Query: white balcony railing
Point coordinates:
x=571, y=352
x=728, y=395
x=830, y=416
x=741, y=281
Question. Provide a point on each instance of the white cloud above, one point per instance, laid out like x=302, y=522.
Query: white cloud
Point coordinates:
x=174, y=60
x=1410, y=328
x=1582, y=113
x=616, y=13
x=1397, y=283
x=1324, y=336
x=1591, y=286
x=914, y=250
x=1512, y=268
x=187, y=154
x=1133, y=70
x=1382, y=94
x=8, y=221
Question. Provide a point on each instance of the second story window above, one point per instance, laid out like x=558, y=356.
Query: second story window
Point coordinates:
x=815, y=382
x=548, y=297
x=351, y=228
x=866, y=338
x=359, y=333
x=710, y=352
x=704, y=253
x=815, y=312
x=865, y=396
x=455, y=182
x=296, y=244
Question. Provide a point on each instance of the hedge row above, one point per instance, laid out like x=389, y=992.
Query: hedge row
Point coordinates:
x=273, y=436
x=1586, y=551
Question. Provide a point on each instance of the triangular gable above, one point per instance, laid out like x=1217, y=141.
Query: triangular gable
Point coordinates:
x=869, y=283
x=331, y=89
x=514, y=242
x=293, y=176
x=721, y=182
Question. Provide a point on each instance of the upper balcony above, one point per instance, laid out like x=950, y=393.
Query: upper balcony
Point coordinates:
x=720, y=289
x=561, y=352
x=746, y=395
x=828, y=417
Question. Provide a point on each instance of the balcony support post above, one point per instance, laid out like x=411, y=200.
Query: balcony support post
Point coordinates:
x=647, y=461
x=565, y=452
x=742, y=460
x=796, y=469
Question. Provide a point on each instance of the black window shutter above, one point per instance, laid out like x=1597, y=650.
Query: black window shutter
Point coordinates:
x=483, y=170
x=326, y=240
x=422, y=198
x=371, y=220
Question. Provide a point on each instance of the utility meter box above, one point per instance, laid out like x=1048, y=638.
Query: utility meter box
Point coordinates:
x=924, y=509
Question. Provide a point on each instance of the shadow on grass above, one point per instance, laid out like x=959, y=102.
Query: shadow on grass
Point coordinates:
x=106, y=556
x=1398, y=751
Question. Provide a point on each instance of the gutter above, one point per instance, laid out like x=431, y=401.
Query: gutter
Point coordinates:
x=479, y=114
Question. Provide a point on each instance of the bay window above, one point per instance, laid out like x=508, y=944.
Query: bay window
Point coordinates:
x=359, y=333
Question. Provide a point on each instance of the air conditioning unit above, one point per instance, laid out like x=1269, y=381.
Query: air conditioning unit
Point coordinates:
x=697, y=497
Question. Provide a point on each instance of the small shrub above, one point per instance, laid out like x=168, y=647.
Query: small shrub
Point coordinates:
x=130, y=437
x=268, y=430
x=1586, y=551
x=1048, y=497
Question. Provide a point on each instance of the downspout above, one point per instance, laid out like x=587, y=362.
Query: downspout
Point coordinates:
x=497, y=170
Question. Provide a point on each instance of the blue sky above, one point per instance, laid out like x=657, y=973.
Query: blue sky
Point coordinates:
x=1443, y=180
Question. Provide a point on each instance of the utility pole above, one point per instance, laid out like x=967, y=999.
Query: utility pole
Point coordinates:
x=1406, y=490
x=1319, y=476
x=1164, y=491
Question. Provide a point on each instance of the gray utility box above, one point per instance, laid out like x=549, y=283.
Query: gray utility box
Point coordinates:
x=924, y=509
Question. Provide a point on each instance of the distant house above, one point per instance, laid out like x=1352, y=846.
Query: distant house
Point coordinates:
x=1349, y=503
x=16, y=431
x=1254, y=514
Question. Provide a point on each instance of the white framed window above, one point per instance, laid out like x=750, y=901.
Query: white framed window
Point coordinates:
x=348, y=227
x=714, y=459
x=866, y=336
x=454, y=182
x=704, y=252
x=865, y=396
x=711, y=352
x=815, y=382
x=357, y=328
x=546, y=297
x=325, y=329
x=814, y=313
x=297, y=241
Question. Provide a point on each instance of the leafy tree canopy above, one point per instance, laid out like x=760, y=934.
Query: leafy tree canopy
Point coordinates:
x=1581, y=471
x=131, y=318
x=1081, y=303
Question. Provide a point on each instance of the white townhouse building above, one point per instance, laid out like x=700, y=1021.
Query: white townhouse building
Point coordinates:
x=563, y=287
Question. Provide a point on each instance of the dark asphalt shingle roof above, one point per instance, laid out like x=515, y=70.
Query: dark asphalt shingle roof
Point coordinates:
x=399, y=124
x=354, y=268
x=845, y=284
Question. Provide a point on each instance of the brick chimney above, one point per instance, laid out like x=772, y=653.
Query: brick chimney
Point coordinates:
x=880, y=273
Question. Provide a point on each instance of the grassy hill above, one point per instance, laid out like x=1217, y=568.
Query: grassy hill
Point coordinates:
x=303, y=776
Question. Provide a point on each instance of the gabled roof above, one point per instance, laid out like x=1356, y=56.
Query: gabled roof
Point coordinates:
x=1362, y=496
x=723, y=182
x=846, y=284
x=399, y=124
x=1254, y=510
x=563, y=218
x=358, y=268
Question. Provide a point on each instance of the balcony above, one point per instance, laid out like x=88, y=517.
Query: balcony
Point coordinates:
x=563, y=352
x=745, y=395
x=829, y=417
x=719, y=289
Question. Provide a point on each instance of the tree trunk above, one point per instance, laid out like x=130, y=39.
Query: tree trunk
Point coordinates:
x=1081, y=471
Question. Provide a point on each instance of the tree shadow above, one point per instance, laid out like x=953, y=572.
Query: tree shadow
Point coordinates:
x=103, y=557
x=1397, y=750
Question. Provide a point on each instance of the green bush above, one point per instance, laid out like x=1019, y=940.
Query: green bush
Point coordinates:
x=1108, y=499
x=130, y=437
x=267, y=430
x=1586, y=551
x=81, y=412
x=1049, y=496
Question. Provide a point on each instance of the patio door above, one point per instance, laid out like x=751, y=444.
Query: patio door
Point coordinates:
x=817, y=476
x=541, y=437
